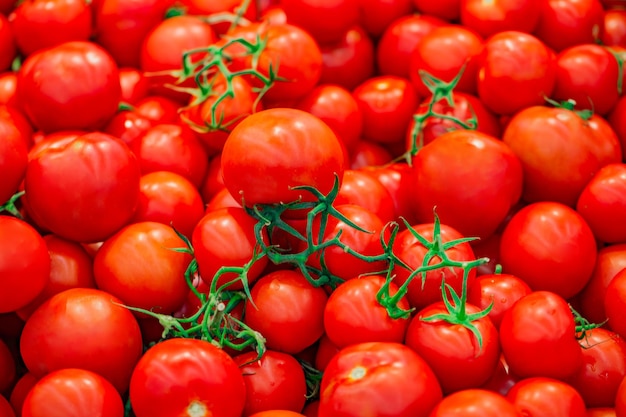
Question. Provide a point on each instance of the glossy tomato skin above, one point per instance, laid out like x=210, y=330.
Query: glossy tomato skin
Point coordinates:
x=452, y=350
x=474, y=403
x=140, y=266
x=59, y=334
x=93, y=182
x=288, y=311
x=516, y=71
x=73, y=392
x=550, y=247
x=184, y=377
x=325, y=20
x=74, y=85
x=614, y=33
x=560, y=151
x=602, y=204
x=488, y=18
x=492, y=167
x=447, y=9
x=361, y=188
x=7, y=44
x=13, y=158
x=274, y=382
x=556, y=353
x=614, y=302
x=546, y=397
x=24, y=264
x=382, y=379
x=275, y=149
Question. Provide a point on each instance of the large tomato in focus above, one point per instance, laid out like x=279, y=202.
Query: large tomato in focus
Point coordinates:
x=546, y=397
x=560, y=151
x=83, y=188
x=276, y=149
x=475, y=403
x=187, y=377
x=481, y=181
x=74, y=85
x=379, y=379
x=83, y=328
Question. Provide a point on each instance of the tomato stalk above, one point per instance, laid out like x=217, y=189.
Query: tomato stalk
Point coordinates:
x=583, y=326
x=11, y=207
x=313, y=378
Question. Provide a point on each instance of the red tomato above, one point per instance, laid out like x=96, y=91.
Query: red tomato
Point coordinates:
x=73, y=393
x=134, y=83
x=74, y=85
x=24, y=264
x=474, y=403
x=353, y=314
x=8, y=50
x=617, y=121
x=538, y=338
x=361, y=188
x=273, y=150
x=614, y=33
x=93, y=180
x=287, y=310
x=128, y=125
x=397, y=179
x=59, y=334
x=325, y=20
x=368, y=154
x=620, y=399
x=382, y=379
x=560, y=151
x=600, y=412
x=276, y=413
x=158, y=109
x=614, y=303
x=8, y=370
x=171, y=199
x=39, y=24
x=495, y=173
x=139, y=266
x=489, y=18
x=8, y=85
x=399, y=40
x=602, y=203
x=274, y=382
x=546, y=397
x=13, y=158
x=190, y=377
x=221, y=199
x=550, y=247
x=5, y=408
x=567, y=23
x=210, y=7
x=517, y=70
x=376, y=15
x=463, y=47
x=444, y=9
x=20, y=391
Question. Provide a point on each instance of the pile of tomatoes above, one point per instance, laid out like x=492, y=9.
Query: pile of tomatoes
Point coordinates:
x=321, y=208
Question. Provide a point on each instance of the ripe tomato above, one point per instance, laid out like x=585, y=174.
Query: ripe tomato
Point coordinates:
x=377, y=15
x=128, y=126
x=24, y=264
x=83, y=188
x=134, y=83
x=538, y=338
x=274, y=382
x=60, y=334
x=325, y=20
x=277, y=413
x=187, y=377
x=516, y=70
x=550, y=247
x=397, y=179
x=488, y=18
x=8, y=369
x=20, y=391
x=13, y=158
x=139, y=266
x=8, y=49
x=614, y=33
x=361, y=188
x=445, y=9
x=495, y=172
x=73, y=393
x=474, y=403
x=546, y=397
x=276, y=149
x=382, y=379
x=74, y=85
x=614, y=302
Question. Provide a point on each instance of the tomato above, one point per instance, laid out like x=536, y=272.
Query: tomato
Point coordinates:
x=73, y=393
x=277, y=413
x=158, y=109
x=620, y=399
x=361, y=188
x=221, y=199
x=226, y=238
x=381, y=378
x=614, y=33
x=39, y=24
x=171, y=199
x=139, y=266
x=560, y=151
x=537, y=336
x=8, y=369
x=488, y=18
x=600, y=412
x=74, y=85
x=8, y=50
x=500, y=291
x=83, y=188
x=349, y=61
x=546, y=397
x=474, y=403
x=602, y=203
x=614, y=301
x=589, y=75
x=59, y=334
x=377, y=15
x=412, y=252
x=496, y=178
x=20, y=391
x=287, y=310
x=550, y=247
x=445, y=9
x=70, y=267
x=134, y=83
x=367, y=154
x=616, y=121
x=326, y=350
x=127, y=125
x=325, y=20
x=187, y=377
x=213, y=181
x=8, y=85
x=604, y=367
x=353, y=314
x=5, y=408
x=13, y=158
x=209, y=7
x=463, y=47
x=274, y=382
x=516, y=70
x=275, y=149
x=567, y=23
x=397, y=179
x=24, y=264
